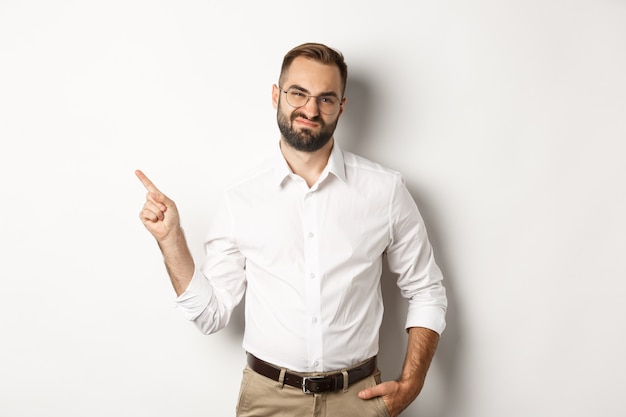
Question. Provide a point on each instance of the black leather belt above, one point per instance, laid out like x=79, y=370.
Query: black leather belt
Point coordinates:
x=313, y=384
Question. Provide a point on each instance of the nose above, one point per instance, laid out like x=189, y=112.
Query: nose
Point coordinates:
x=311, y=108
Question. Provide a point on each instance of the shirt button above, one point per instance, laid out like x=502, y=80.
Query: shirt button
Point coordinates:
x=314, y=320
x=311, y=234
x=312, y=275
x=316, y=363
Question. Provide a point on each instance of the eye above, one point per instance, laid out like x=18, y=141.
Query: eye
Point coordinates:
x=296, y=93
x=328, y=100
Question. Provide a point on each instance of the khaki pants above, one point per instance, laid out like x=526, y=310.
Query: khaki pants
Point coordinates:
x=261, y=397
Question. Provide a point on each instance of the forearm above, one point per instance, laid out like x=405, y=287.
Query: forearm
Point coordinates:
x=399, y=394
x=178, y=260
x=421, y=348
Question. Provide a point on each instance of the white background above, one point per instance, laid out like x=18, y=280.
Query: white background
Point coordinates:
x=507, y=118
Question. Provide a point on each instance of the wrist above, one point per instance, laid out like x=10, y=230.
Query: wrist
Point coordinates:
x=173, y=238
x=410, y=387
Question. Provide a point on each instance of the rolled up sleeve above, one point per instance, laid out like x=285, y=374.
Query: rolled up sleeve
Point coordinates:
x=411, y=257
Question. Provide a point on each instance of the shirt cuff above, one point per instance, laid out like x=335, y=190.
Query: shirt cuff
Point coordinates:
x=430, y=317
x=196, y=297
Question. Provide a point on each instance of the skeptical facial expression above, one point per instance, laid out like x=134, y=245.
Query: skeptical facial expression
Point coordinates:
x=306, y=128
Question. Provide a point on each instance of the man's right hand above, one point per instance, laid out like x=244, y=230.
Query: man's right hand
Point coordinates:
x=159, y=214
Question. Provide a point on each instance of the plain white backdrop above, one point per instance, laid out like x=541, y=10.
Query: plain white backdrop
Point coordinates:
x=507, y=118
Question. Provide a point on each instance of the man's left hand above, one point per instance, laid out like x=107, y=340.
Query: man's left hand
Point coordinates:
x=397, y=395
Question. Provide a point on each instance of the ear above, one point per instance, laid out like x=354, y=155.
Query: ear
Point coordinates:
x=343, y=105
x=275, y=96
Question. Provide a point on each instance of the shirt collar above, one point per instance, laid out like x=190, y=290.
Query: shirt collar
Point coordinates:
x=334, y=166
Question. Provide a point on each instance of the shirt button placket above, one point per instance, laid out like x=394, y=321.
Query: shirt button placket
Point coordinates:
x=312, y=283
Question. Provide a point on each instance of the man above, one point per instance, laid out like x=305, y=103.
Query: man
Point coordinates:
x=304, y=237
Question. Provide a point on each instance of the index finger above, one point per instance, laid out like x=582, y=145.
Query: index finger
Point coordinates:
x=146, y=181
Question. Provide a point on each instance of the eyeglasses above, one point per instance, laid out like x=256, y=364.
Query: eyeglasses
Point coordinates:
x=297, y=98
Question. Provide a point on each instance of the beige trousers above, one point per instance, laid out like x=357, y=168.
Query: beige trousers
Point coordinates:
x=261, y=397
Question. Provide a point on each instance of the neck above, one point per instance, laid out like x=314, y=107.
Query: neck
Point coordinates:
x=308, y=165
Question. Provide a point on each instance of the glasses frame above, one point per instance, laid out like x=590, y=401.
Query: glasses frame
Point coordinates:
x=308, y=98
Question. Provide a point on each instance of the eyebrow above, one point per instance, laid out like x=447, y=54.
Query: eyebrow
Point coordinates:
x=304, y=90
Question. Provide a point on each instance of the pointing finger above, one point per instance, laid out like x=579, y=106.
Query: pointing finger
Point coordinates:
x=146, y=181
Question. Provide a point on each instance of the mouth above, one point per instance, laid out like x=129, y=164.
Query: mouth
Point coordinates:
x=306, y=122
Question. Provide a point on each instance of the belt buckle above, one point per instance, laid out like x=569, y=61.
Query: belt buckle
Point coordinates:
x=305, y=389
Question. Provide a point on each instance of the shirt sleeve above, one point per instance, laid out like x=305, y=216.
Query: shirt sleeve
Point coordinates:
x=219, y=283
x=411, y=257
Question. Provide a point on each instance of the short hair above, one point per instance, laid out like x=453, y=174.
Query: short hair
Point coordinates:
x=320, y=53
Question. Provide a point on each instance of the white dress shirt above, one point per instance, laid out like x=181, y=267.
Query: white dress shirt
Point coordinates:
x=309, y=261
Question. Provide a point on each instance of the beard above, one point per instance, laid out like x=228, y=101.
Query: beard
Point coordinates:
x=305, y=140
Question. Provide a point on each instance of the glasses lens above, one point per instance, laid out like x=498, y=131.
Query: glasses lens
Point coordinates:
x=296, y=98
x=326, y=104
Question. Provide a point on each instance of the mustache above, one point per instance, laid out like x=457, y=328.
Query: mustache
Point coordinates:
x=316, y=119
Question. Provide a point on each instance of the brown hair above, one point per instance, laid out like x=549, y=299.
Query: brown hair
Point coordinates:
x=320, y=53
